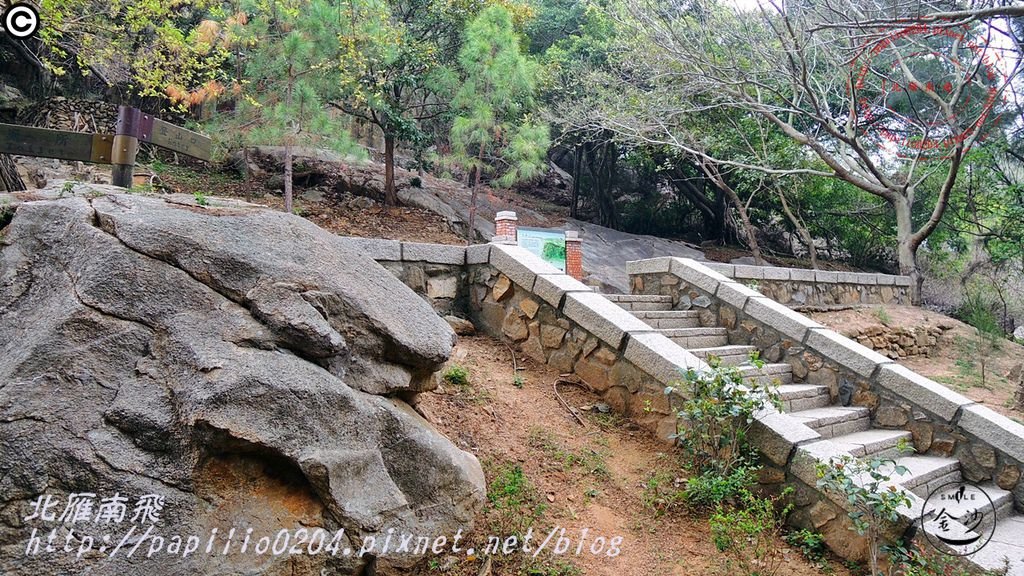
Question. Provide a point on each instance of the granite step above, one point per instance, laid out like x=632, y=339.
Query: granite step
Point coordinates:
x=769, y=374
x=873, y=443
x=832, y=421
x=669, y=318
x=729, y=355
x=697, y=337
x=926, y=473
x=797, y=397
x=638, y=298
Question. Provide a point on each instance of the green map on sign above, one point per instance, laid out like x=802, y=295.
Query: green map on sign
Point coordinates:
x=548, y=245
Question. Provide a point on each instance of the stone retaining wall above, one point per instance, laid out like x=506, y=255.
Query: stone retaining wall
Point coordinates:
x=557, y=320
x=437, y=272
x=801, y=287
x=942, y=422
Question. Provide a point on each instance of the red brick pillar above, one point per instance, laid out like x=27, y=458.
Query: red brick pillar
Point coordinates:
x=505, y=228
x=573, y=254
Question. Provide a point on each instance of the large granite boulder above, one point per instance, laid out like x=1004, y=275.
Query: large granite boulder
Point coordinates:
x=241, y=364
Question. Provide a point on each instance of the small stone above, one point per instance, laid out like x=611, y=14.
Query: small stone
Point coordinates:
x=515, y=327
x=502, y=288
x=602, y=408
x=943, y=446
x=530, y=307
x=461, y=326
x=702, y=301
x=891, y=417
x=866, y=398
x=985, y=455
x=1008, y=477
x=923, y=434
x=551, y=336
x=799, y=369
x=684, y=303
x=813, y=361
x=727, y=317
x=605, y=356
x=822, y=513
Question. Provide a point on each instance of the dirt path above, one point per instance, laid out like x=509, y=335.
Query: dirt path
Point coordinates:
x=591, y=476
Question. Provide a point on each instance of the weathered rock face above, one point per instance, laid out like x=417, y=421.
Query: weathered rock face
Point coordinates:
x=241, y=364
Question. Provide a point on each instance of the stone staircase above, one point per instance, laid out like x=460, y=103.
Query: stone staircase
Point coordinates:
x=849, y=427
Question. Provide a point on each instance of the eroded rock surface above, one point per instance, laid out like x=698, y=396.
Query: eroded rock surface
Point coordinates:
x=240, y=363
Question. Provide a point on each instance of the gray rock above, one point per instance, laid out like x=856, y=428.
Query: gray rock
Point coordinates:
x=216, y=357
x=461, y=326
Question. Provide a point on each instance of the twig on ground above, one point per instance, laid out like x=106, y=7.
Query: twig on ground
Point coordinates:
x=515, y=364
x=554, y=386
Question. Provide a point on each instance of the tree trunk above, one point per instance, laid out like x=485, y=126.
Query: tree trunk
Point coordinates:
x=576, y=173
x=801, y=230
x=10, y=181
x=288, y=178
x=390, y=198
x=906, y=249
x=748, y=227
x=471, y=232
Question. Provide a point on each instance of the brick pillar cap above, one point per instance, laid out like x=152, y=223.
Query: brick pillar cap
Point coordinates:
x=572, y=235
x=506, y=215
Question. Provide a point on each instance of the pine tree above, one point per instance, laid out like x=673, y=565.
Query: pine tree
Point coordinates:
x=493, y=130
x=288, y=69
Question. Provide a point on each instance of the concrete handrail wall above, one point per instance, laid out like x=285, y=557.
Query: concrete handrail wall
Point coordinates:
x=942, y=422
x=796, y=287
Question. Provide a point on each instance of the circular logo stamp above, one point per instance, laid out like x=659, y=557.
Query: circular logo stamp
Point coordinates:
x=958, y=519
x=21, y=20
x=928, y=89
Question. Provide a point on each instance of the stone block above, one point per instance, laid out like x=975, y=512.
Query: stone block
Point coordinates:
x=551, y=336
x=727, y=270
x=519, y=264
x=922, y=392
x=529, y=307
x=376, y=248
x=845, y=352
x=478, y=254
x=779, y=317
x=775, y=435
x=994, y=429
x=658, y=356
x=745, y=272
x=551, y=287
x=885, y=279
x=867, y=279
x=602, y=318
x=902, y=280
x=648, y=266
x=848, y=278
x=801, y=274
x=433, y=253
x=697, y=274
x=775, y=273
x=825, y=276
x=442, y=287
x=808, y=455
x=736, y=294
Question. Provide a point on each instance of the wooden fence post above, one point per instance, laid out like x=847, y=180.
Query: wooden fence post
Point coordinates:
x=126, y=145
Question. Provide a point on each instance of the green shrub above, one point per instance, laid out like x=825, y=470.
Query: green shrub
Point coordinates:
x=873, y=499
x=810, y=543
x=747, y=533
x=201, y=199
x=711, y=489
x=456, y=376
x=715, y=416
